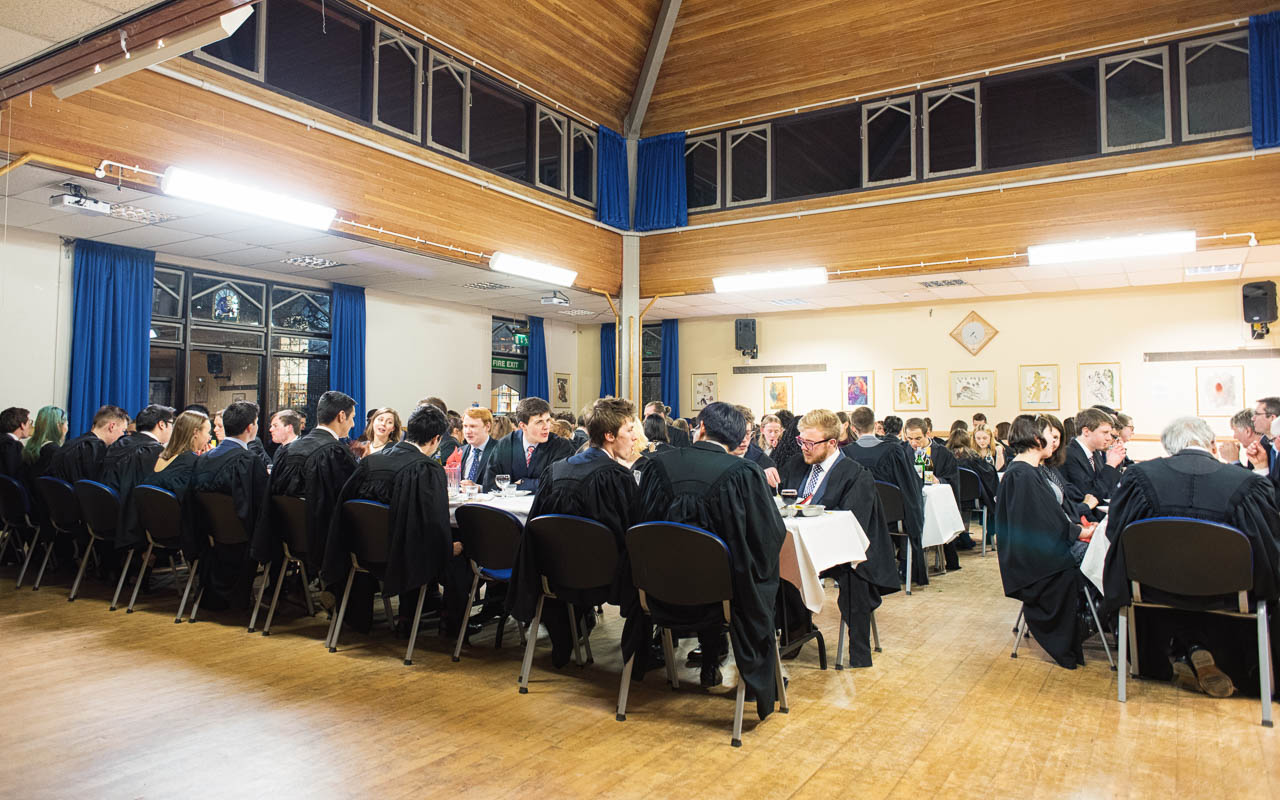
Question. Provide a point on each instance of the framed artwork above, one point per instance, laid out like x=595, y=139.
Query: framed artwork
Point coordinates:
x=778, y=392
x=974, y=333
x=1038, y=388
x=1219, y=391
x=706, y=389
x=910, y=390
x=1099, y=384
x=857, y=389
x=237, y=397
x=562, y=390
x=975, y=389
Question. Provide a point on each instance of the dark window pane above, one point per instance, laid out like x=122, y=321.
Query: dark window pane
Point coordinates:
x=166, y=294
x=651, y=342
x=1044, y=117
x=953, y=136
x=748, y=166
x=510, y=337
x=499, y=130
x=299, y=310
x=321, y=59
x=889, y=142
x=1218, y=87
x=165, y=333
x=550, y=149
x=300, y=344
x=651, y=388
x=218, y=379
x=702, y=173
x=298, y=384
x=226, y=337
x=221, y=300
x=584, y=162
x=1135, y=101
x=448, y=105
x=398, y=84
x=165, y=363
x=817, y=154
x=240, y=49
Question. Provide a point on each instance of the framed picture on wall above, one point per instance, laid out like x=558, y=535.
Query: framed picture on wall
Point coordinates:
x=911, y=389
x=778, y=392
x=1099, y=384
x=562, y=391
x=857, y=389
x=706, y=389
x=1038, y=388
x=973, y=388
x=1219, y=391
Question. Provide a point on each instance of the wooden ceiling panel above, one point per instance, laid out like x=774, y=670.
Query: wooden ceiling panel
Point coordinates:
x=734, y=59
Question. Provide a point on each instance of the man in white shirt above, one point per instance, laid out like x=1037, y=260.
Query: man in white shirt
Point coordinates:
x=476, y=424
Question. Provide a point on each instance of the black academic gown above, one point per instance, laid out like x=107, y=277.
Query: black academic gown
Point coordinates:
x=705, y=486
x=10, y=456
x=126, y=464
x=677, y=437
x=1084, y=475
x=507, y=458
x=888, y=462
x=80, y=458
x=314, y=467
x=1195, y=484
x=234, y=470
x=757, y=454
x=448, y=444
x=1036, y=566
x=175, y=477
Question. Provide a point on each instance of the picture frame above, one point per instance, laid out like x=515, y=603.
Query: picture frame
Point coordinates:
x=1098, y=384
x=237, y=397
x=911, y=389
x=779, y=392
x=705, y=388
x=1039, y=387
x=1220, y=390
x=973, y=388
x=857, y=389
x=562, y=390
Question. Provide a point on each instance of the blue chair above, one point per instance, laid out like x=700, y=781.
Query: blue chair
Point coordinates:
x=219, y=522
x=15, y=514
x=160, y=514
x=289, y=517
x=100, y=512
x=490, y=537
x=969, y=498
x=894, y=514
x=63, y=510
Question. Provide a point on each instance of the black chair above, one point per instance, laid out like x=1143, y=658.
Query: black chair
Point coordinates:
x=289, y=517
x=366, y=524
x=685, y=566
x=489, y=540
x=219, y=522
x=64, y=514
x=15, y=513
x=894, y=514
x=969, y=498
x=100, y=511
x=160, y=513
x=1192, y=558
x=573, y=554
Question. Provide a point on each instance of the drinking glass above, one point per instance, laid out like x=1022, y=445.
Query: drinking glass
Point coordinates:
x=502, y=481
x=789, y=496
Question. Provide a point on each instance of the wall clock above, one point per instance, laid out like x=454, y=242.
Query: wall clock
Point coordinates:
x=974, y=333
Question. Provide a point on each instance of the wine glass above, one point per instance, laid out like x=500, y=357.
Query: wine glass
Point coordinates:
x=502, y=481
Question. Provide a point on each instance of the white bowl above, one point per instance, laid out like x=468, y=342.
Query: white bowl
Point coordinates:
x=811, y=511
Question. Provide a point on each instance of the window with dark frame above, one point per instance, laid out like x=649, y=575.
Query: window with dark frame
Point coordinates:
x=582, y=164
x=1049, y=115
x=510, y=364
x=889, y=141
x=321, y=54
x=702, y=171
x=1135, y=100
x=397, y=83
x=952, y=130
x=817, y=153
x=651, y=364
x=243, y=51
x=499, y=130
x=750, y=166
x=448, y=105
x=1214, y=75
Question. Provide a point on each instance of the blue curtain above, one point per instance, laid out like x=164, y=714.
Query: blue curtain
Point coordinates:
x=110, y=331
x=660, y=195
x=537, y=385
x=608, y=358
x=612, y=190
x=671, y=365
x=346, y=362
x=1264, y=78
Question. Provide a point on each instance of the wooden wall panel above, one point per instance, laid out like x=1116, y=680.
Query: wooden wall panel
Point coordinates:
x=732, y=59
x=155, y=121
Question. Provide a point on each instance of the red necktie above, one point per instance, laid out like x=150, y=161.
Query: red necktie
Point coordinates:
x=528, y=453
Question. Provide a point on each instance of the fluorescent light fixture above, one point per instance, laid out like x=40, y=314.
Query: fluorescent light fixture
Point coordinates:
x=1213, y=269
x=783, y=279
x=1151, y=244
x=192, y=39
x=179, y=182
x=515, y=265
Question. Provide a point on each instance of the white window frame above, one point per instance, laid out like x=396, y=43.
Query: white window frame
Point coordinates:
x=577, y=129
x=872, y=110
x=1227, y=40
x=1110, y=66
x=765, y=132
x=258, y=18
x=932, y=100
x=387, y=36
x=457, y=72
x=562, y=123
x=711, y=140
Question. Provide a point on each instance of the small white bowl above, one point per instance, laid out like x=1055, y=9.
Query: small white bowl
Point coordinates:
x=811, y=511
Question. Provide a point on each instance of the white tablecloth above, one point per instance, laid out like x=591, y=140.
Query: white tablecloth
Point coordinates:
x=817, y=543
x=1095, y=558
x=942, y=520
x=519, y=506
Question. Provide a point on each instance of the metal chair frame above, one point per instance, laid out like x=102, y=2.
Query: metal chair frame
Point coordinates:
x=17, y=494
x=94, y=535
x=282, y=516
x=976, y=500
x=892, y=522
x=153, y=544
x=875, y=641
x=71, y=508
x=203, y=498
x=478, y=574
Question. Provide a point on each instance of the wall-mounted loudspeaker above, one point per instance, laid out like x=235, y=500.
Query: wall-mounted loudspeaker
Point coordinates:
x=1259, y=306
x=213, y=363
x=744, y=337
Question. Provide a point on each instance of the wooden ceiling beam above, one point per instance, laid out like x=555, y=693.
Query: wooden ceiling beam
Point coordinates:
x=652, y=64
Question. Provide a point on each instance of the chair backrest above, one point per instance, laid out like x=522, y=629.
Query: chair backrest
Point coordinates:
x=970, y=487
x=679, y=564
x=99, y=505
x=1186, y=556
x=219, y=519
x=489, y=535
x=60, y=502
x=368, y=529
x=289, y=517
x=159, y=512
x=573, y=552
x=891, y=502
x=14, y=505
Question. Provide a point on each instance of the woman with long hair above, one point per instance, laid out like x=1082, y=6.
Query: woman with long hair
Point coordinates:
x=987, y=448
x=383, y=429
x=1002, y=434
x=192, y=433
x=502, y=427
x=48, y=435
x=1054, y=456
x=655, y=430
x=770, y=433
x=961, y=446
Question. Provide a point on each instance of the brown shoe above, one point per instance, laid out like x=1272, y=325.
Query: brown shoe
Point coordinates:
x=1213, y=680
x=1184, y=676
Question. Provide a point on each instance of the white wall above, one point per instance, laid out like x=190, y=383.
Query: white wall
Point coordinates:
x=35, y=320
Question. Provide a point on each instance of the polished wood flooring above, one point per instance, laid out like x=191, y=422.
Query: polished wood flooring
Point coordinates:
x=109, y=705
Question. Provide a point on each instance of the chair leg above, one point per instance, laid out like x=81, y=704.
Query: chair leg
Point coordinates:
x=1264, y=664
x=462, y=629
x=736, y=741
x=306, y=589
x=573, y=631
x=196, y=605
x=386, y=609
x=781, y=679
x=875, y=633
x=191, y=576
x=48, y=551
x=669, y=654
x=417, y=620
x=624, y=688
x=840, y=644
x=342, y=610
x=5, y=536
x=1123, y=642
x=142, y=573
x=275, y=599
x=530, y=644
x=502, y=628
x=26, y=560
x=262, y=591
x=1136, y=668
x=84, y=562
x=1101, y=634
x=1017, y=634
x=333, y=623
x=984, y=532
x=115, y=599
x=909, y=549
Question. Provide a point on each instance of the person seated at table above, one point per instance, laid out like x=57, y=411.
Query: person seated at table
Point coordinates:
x=831, y=479
x=960, y=445
x=286, y=427
x=1124, y=432
x=592, y=484
x=845, y=436
x=476, y=426
x=676, y=436
x=1002, y=434
x=15, y=425
x=945, y=472
x=527, y=452
x=888, y=462
x=1081, y=470
x=705, y=485
x=788, y=448
x=562, y=429
x=1051, y=458
x=382, y=429
x=892, y=428
x=82, y=456
x=770, y=433
x=931, y=434
x=1243, y=436
x=189, y=438
x=130, y=461
x=1214, y=654
x=1035, y=536
x=655, y=430
x=987, y=448
x=979, y=420
x=751, y=451
x=46, y=438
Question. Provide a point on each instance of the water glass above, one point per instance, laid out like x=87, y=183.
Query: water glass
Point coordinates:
x=502, y=481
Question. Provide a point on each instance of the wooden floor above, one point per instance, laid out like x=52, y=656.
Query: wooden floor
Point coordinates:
x=104, y=705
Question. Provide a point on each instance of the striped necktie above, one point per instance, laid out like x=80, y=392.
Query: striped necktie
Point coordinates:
x=814, y=476
x=528, y=454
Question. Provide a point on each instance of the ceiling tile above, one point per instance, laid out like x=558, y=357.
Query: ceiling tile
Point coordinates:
x=1153, y=277
x=1052, y=285
x=1010, y=287
x=147, y=237
x=322, y=245
x=19, y=213
x=1113, y=281
x=272, y=234
x=210, y=223
x=250, y=257
x=83, y=226
x=200, y=247
x=955, y=292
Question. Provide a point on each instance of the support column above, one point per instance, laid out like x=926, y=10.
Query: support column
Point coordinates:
x=629, y=298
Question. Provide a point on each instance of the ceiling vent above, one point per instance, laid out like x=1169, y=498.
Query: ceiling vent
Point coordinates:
x=940, y=284
x=485, y=286
x=314, y=262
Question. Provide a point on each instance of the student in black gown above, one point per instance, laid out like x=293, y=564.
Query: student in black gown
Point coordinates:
x=828, y=477
x=656, y=431
x=887, y=459
x=528, y=451
x=945, y=470
x=15, y=425
x=1054, y=456
x=47, y=436
x=960, y=445
x=752, y=451
x=286, y=427
x=405, y=477
x=172, y=471
x=1081, y=470
x=675, y=436
x=892, y=429
x=705, y=485
x=82, y=456
x=130, y=461
x=591, y=484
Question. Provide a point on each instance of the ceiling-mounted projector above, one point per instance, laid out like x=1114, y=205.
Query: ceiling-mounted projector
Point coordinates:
x=79, y=202
x=556, y=298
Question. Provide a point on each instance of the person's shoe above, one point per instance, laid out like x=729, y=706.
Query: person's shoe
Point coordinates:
x=711, y=676
x=694, y=659
x=1184, y=675
x=1213, y=681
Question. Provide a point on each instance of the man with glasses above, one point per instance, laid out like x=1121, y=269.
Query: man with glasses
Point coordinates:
x=945, y=471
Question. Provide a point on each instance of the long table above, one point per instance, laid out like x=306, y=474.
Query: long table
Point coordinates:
x=942, y=519
x=814, y=544
x=520, y=506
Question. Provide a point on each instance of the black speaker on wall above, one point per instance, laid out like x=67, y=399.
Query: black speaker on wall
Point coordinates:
x=213, y=363
x=1259, y=301
x=744, y=337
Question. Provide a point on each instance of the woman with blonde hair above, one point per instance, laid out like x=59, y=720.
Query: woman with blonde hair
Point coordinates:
x=502, y=427
x=383, y=429
x=987, y=448
x=190, y=437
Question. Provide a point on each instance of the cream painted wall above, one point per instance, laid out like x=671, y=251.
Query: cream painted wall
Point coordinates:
x=1065, y=330
x=588, y=364
x=35, y=319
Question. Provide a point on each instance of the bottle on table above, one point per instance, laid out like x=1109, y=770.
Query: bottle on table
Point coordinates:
x=928, y=468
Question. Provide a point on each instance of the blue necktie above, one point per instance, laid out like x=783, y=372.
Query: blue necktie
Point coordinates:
x=812, y=485
x=475, y=464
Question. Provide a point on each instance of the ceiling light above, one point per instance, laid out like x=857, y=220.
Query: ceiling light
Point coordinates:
x=485, y=286
x=314, y=262
x=515, y=265
x=179, y=182
x=578, y=312
x=1151, y=244
x=783, y=279
x=142, y=216
x=1213, y=269
x=192, y=39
